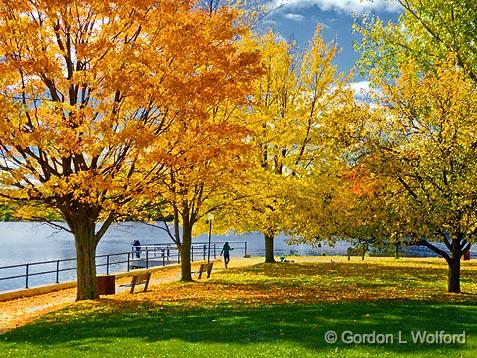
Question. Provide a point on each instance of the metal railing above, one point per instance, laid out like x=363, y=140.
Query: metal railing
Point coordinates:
x=163, y=250
x=145, y=254
x=149, y=255
x=56, y=267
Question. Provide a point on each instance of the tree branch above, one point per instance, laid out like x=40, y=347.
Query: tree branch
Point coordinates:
x=423, y=242
x=107, y=223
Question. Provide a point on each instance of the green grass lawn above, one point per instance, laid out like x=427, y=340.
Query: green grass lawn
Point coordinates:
x=280, y=310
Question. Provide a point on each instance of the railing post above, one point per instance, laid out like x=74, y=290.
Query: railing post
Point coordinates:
x=107, y=265
x=27, y=267
x=147, y=259
x=215, y=253
x=58, y=271
x=205, y=251
x=163, y=257
x=192, y=253
x=129, y=260
x=246, y=248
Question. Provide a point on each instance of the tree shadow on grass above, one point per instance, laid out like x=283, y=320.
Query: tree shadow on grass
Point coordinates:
x=368, y=275
x=352, y=269
x=103, y=323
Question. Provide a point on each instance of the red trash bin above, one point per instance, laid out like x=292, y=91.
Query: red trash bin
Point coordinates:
x=106, y=284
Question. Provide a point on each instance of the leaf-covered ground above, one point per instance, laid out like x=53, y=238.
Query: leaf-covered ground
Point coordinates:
x=278, y=310
x=16, y=313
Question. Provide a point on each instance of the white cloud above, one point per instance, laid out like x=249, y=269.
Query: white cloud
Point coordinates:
x=294, y=17
x=349, y=6
x=359, y=87
x=363, y=93
x=281, y=37
x=361, y=90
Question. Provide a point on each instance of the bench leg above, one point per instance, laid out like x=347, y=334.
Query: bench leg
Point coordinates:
x=209, y=269
x=133, y=285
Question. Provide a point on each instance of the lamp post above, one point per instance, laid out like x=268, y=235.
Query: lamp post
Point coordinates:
x=209, y=218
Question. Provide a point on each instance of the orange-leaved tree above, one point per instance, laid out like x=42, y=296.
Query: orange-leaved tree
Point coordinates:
x=201, y=177
x=88, y=90
x=206, y=149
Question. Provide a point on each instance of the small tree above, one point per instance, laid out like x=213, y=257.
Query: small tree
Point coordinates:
x=421, y=145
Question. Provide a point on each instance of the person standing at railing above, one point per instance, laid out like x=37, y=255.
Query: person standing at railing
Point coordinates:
x=137, y=247
x=226, y=251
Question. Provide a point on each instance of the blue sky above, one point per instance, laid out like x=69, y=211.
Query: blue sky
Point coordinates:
x=297, y=19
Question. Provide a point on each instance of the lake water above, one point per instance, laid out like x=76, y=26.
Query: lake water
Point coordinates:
x=26, y=242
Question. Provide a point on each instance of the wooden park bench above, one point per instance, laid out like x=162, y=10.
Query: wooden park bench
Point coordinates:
x=205, y=268
x=139, y=279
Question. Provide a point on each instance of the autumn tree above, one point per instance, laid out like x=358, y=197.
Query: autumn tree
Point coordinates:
x=202, y=173
x=204, y=152
x=406, y=168
x=89, y=90
x=426, y=32
x=420, y=142
x=291, y=100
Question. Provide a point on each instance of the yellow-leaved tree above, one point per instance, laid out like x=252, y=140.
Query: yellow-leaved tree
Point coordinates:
x=421, y=142
x=409, y=169
x=291, y=102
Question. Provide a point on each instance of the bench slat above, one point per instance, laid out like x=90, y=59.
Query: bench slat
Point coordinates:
x=141, y=279
x=205, y=268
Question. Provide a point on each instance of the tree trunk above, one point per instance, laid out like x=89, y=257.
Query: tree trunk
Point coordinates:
x=186, y=274
x=269, y=254
x=85, y=242
x=454, y=274
x=454, y=245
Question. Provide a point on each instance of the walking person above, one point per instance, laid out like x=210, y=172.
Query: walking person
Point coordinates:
x=137, y=247
x=226, y=251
